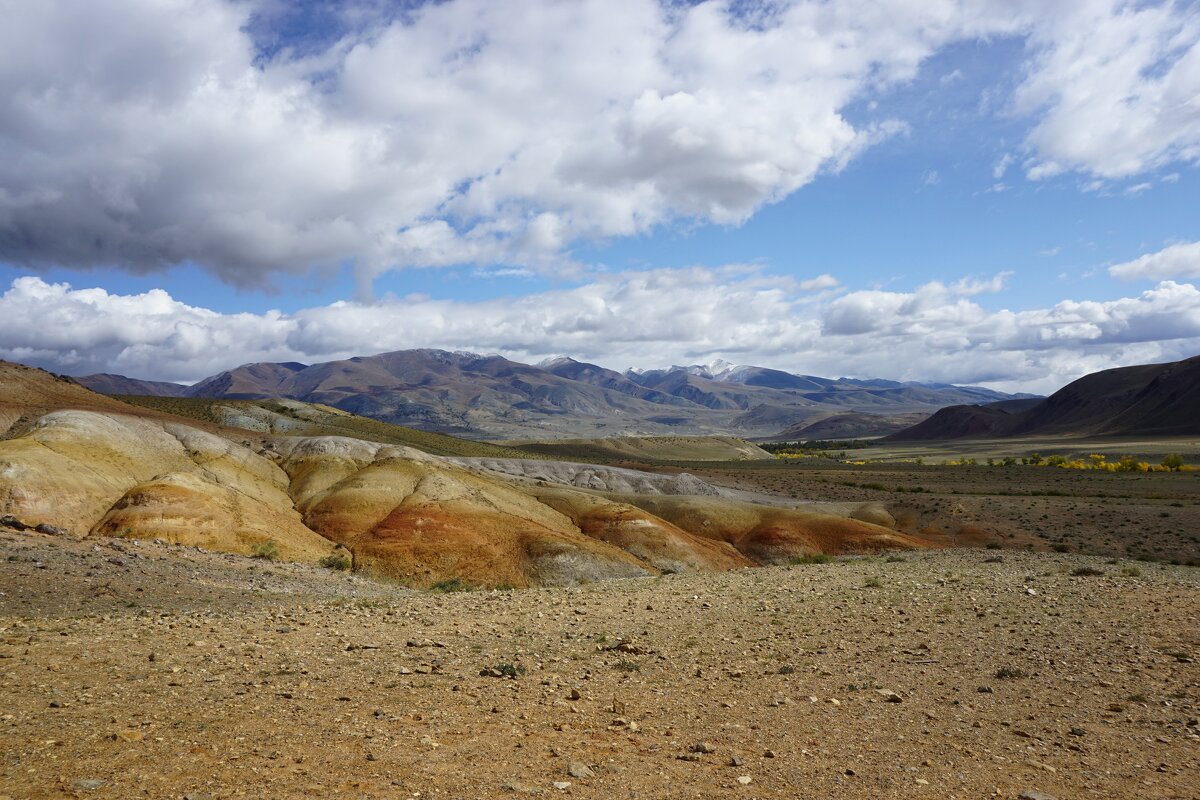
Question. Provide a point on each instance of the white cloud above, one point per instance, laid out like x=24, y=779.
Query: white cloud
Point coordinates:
x=1116, y=83
x=646, y=319
x=1002, y=166
x=824, y=281
x=145, y=133
x=1176, y=261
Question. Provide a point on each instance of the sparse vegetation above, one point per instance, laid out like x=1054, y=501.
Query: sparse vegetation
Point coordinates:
x=335, y=561
x=509, y=670
x=1010, y=673
x=266, y=550
x=812, y=558
x=452, y=585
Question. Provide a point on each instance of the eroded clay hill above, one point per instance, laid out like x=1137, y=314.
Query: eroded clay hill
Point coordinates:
x=87, y=464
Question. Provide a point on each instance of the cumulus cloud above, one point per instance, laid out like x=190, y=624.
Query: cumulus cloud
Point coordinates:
x=644, y=319
x=1117, y=84
x=147, y=133
x=1176, y=261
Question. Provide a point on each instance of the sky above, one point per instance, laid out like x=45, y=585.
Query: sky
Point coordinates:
x=992, y=192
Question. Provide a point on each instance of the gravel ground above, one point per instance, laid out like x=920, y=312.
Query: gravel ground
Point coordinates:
x=156, y=671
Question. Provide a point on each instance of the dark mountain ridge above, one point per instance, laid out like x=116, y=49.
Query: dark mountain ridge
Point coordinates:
x=1148, y=399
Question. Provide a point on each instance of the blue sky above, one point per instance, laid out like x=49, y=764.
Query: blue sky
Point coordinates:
x=974, y=192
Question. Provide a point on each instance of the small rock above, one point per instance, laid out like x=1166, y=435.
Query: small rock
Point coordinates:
x=1032, y=795
x=428, y=741
x=1078, y=732
x=574, y=695
x=744, y=780
x=736, y=762
x=889, y=695
x=88, y=784
x=688, y=757
x=578, y=769
x=520, y=788
x=129, y=736
x=561, y=785
x=704, y=747
x=768, y=754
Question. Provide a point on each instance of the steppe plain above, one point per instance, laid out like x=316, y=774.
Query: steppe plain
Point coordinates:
x=138, y=669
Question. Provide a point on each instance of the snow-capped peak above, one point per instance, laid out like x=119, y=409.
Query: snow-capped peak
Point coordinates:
x=555, y=361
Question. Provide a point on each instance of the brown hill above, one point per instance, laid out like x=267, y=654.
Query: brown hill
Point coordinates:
x=1150, y=399
x=81, y=463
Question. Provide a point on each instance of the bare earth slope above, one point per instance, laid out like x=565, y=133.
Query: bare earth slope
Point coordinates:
x=661, y=448
x=269, y=488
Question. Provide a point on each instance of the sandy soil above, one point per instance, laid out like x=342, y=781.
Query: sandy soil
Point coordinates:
x=142, y=670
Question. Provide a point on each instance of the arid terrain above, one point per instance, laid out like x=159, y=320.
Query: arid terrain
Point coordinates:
x=1152, y=516
x=211, y=599
x=133, y=669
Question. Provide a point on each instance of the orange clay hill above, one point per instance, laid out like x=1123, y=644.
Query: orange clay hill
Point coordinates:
x=80, y=464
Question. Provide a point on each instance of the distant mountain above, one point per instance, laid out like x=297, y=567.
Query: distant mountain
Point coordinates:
x=106, y=383
x=488, y=396
x=1151, y=399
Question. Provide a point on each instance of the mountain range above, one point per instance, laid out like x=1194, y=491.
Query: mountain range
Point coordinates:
x=1146, y=400
x=489, y=396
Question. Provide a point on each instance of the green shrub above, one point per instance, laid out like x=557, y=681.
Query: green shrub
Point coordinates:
x=268, y=550
x=335, y=561
x=812, y=558
x=451, y=585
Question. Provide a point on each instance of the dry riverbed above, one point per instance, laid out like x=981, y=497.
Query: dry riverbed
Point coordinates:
x=148, y=670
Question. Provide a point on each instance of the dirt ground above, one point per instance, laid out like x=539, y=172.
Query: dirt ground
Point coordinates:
x=156, y=671
x=1152, y=515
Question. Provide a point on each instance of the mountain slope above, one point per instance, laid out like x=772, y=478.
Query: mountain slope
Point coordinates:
x=107, y=383
x=1148, y=399
x=491, y=397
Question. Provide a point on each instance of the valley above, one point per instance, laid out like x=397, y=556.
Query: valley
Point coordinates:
x=235, y=598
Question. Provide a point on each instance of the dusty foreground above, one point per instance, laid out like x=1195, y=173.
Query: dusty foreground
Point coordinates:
x=143, y=670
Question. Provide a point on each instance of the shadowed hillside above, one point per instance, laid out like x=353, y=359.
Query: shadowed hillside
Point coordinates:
x=1150, y=399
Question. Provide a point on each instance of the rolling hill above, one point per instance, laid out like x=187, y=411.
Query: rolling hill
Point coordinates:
x=309, y=483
